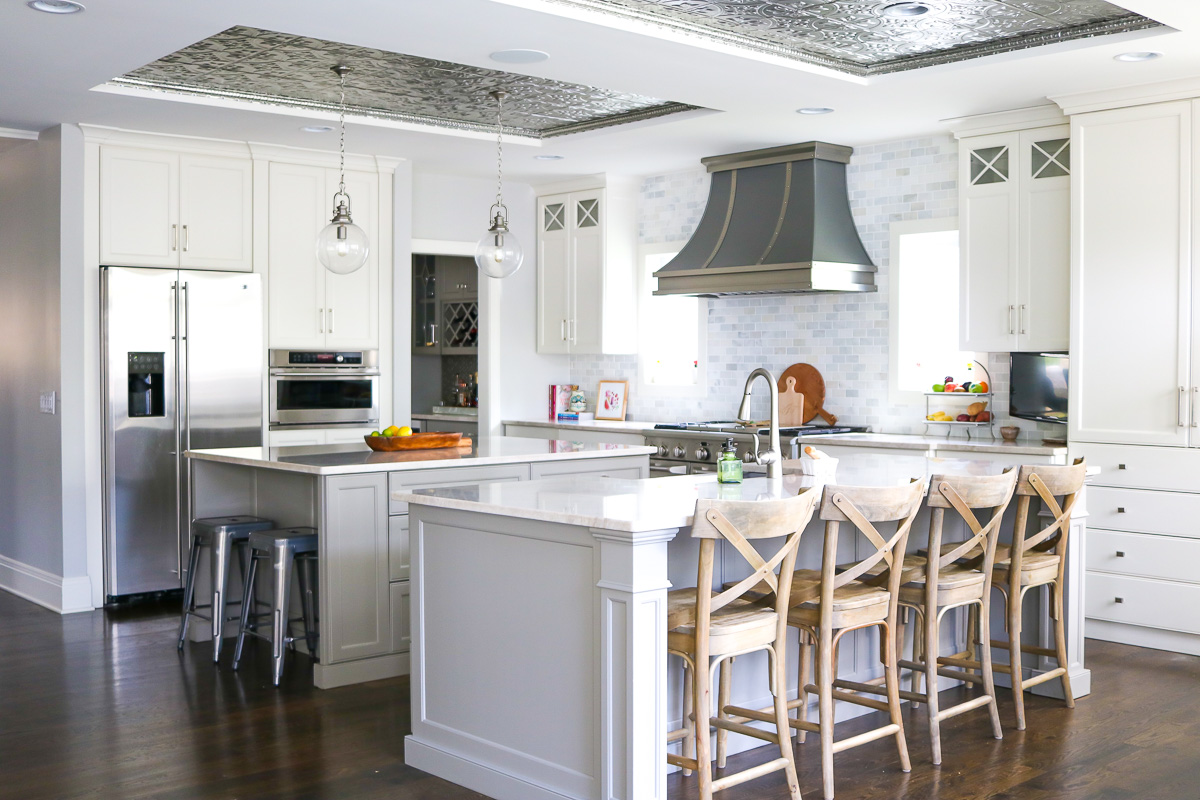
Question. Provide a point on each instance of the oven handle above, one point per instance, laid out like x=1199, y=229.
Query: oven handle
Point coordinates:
x=325, y=373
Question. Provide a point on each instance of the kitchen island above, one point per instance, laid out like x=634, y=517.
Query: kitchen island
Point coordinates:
x=342, y=491
x=539, y=664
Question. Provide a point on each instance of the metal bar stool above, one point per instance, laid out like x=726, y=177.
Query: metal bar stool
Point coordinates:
x=283, y=548
x=221, y=535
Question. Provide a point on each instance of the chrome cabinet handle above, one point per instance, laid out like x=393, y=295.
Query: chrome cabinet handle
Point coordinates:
x=1192, y=409
x=331, y=320
x=174, y=237
x=1022, y=318
x=562, y=330
x=571, y=331
x=185, y=242
x=1179, y=411
x=321, y=320
x=1012, y=328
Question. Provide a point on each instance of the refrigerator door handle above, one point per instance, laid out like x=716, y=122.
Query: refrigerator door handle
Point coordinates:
x=178, y=440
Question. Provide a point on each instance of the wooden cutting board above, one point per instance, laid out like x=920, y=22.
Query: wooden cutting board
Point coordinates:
x=808, y=382
x=791, y=403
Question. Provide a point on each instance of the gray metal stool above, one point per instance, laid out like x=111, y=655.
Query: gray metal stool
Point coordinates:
x=220, y=535
x=283, y=547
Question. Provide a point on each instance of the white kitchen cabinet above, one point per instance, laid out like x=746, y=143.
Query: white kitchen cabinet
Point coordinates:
x=164, y=209
x=1014, y=220
x=315, y=436
x=1132, y=380
x=586, y=272
x=309, y=306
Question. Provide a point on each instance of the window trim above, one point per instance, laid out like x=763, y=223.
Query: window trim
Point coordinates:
x=700, y=388
x=896, y=396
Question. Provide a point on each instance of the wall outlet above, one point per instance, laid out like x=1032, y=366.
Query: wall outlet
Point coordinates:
x=46, y=402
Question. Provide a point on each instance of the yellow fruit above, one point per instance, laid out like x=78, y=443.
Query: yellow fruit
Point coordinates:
x=405, y=431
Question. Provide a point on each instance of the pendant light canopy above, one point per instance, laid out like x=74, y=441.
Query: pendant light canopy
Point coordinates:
x=342, y=246
x=498, y=253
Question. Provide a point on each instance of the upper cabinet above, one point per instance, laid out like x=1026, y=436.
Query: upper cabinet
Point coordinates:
x=309, y=306
x=1135, y=340
x=587, y=243
x=166, y=209
x=1014, y=221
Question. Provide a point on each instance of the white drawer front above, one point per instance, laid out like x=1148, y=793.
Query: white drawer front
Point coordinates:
x=1173, y=468
x=1142, y=555
x=1141, y=601
x=1143, y=511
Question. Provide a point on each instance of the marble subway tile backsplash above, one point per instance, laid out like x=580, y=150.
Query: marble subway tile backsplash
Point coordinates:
x=844, y=335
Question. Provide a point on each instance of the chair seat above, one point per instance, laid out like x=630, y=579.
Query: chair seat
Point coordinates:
x=853, y=604
x=298, y=540
x=741, y=625
x=1036, y=567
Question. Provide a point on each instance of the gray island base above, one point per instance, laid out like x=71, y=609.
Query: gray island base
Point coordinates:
x=539, y=663
x=342, y=491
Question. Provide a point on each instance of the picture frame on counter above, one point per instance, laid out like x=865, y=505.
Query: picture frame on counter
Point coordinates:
x=612, y=398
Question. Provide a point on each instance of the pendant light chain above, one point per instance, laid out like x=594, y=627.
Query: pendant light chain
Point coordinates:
x=342, y=135
x=499, y=147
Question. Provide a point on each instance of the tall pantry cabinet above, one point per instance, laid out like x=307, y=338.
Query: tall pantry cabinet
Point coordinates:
x=1135, y=359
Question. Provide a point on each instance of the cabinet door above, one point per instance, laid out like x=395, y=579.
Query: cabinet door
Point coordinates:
x=426, y=304
x=297, y=210
x=352, y=300
x=554, y=264
x=1043, y=275
x=1131, y=265
x=216, y=213
x=356, y=612
x=585, y=328
x=988, y=241
x=139, y=207
x=399, y=565
x=401, y=616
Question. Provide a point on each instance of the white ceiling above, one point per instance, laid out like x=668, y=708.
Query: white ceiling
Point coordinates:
x=49, y=64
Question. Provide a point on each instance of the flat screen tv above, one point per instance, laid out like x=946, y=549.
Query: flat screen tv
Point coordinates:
x=1038, y=386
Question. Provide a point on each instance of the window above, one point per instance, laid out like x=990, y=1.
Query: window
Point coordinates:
x=671, y=344
x=924, y=306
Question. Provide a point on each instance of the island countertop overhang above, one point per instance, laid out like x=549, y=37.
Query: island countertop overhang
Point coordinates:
x=354, y=458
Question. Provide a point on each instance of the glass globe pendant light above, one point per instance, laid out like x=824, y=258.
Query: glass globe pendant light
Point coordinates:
x=342, y=246
x=498, y=253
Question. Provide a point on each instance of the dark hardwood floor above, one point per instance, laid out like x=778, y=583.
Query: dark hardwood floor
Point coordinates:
x=100, y=705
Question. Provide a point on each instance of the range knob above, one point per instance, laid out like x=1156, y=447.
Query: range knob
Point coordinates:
x=748, y=457
x=702, y=453
x=340, y=359
x=663, y=450
x=680, y=451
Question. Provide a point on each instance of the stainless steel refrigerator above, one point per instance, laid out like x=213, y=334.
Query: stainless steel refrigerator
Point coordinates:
x=182, y=369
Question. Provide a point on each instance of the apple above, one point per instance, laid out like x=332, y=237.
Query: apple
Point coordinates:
x=964, y=418
x=937, y=387
x=976, y=389
x=949, y=387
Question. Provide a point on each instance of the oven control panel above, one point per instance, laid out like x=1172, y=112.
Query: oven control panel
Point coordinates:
x=324, y=358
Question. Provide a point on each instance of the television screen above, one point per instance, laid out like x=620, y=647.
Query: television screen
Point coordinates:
x=1038, y=386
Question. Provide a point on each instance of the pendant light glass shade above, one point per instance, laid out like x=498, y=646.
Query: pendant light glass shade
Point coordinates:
x=342, y=246
x=499, y=253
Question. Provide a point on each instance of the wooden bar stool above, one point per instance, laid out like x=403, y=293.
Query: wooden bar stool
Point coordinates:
x=829, y=603
x=961, y=576
x=1037, y=559
x=706, y=629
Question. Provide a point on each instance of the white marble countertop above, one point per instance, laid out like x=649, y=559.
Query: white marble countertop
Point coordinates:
x=896, y=441
x=661, y=503
x=353, y=458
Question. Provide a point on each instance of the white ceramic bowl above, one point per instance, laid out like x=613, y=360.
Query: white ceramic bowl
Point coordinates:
x=818, y=467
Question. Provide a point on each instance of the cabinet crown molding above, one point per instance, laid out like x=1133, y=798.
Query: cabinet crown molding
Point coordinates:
x=1005, y=121
x=1124, y=96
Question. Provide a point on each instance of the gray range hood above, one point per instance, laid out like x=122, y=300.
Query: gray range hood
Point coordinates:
x=777, y=222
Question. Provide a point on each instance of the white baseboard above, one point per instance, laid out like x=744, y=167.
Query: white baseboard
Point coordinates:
x=63, y=595
x=476, y=777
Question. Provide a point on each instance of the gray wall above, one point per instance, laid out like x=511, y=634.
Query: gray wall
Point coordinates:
x=31, y=443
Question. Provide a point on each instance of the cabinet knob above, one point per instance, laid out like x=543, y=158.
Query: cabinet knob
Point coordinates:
x=1120, y=509
x=1120, y=554
x=1118, y=599
x=1120, y=466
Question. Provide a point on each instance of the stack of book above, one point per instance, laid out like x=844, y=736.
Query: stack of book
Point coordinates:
x=560, y=400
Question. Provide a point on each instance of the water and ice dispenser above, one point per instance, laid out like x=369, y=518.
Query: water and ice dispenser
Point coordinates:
x=146, y=385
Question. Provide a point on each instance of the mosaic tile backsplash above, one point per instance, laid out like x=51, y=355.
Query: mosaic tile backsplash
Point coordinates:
x=844, y=335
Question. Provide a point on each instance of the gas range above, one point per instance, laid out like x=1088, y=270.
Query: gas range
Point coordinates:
x=690, y=447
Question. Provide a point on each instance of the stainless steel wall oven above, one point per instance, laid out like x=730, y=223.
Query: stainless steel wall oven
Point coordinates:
x=318, y=388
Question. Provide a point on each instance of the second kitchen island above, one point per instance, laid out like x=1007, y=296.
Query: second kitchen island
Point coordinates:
x=342, y=491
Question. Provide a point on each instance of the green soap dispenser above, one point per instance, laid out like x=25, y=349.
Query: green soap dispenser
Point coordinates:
x=729, y=466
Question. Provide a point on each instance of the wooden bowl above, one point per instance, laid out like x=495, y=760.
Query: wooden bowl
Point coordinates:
x=418, y=441
x=1009, y=433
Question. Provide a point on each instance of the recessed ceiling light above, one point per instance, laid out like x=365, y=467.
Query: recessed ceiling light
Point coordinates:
x=814, y=110
x=317, y=128
x=56, y=6
x=519, y=56
x=1142, y=56
x=906, y=9
x=548, y=157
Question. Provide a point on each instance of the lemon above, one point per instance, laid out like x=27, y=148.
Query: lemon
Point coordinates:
x=405, y=431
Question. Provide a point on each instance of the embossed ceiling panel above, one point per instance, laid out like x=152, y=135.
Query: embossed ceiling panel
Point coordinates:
x=855, y=36
x=282, y=69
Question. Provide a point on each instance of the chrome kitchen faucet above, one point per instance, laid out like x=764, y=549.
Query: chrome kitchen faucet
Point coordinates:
x=772, y=457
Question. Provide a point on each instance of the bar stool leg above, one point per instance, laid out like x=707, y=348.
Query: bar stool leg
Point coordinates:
x=219, y=563
x=248, y=604
x=281, y=558
x=689, y=723
x=307, y=606
x=189, y=593
x=1060, y=642
x=930, y=657
x=985, y=657
x=803, y=679
x=1014, y=654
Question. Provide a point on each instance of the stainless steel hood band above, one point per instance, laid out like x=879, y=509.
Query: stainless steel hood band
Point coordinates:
x=728, y=213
